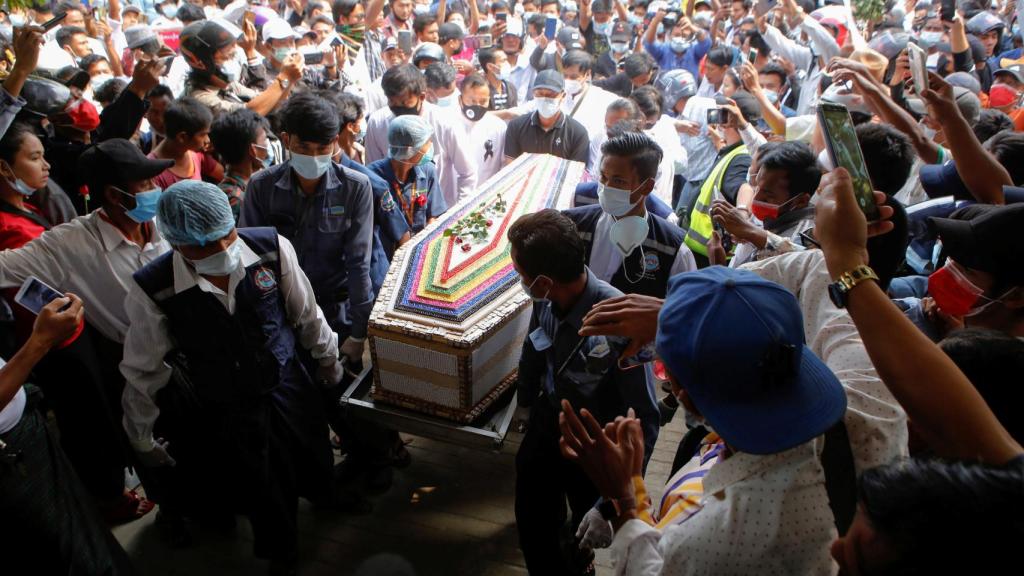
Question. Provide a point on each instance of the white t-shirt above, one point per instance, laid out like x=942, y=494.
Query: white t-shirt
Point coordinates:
x=10, y=415
x=487, y=140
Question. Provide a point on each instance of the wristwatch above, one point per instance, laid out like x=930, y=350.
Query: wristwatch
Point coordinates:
x=612, y=508
x=285, y=83
x=839, y=290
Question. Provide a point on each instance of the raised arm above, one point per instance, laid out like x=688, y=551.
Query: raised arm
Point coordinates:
x=943, y=404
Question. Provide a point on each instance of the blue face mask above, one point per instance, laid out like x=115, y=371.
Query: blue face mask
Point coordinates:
x=427, y=158
x=635, y=20
x=169, y=11
x=145, y=205
x=679, y=45
x=605, y=28
x=266, y=161
x=310, y=167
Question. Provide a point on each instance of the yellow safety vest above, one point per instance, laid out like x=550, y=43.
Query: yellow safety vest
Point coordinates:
x=699, y=234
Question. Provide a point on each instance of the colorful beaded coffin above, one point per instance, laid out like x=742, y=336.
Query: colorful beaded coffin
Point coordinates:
x=450, y=319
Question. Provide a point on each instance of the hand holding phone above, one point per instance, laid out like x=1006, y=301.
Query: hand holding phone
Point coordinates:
x=405, y=41
x=844, y=151
x=948, y=11
x=918, y=67
x=34, y=294
x=53, y=22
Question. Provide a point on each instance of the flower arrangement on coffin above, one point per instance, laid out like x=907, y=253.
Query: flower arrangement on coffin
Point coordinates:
x=473, y=227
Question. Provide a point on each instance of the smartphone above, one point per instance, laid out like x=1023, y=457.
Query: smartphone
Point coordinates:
x=752, y=55
x=313, y=58
x=918, y=67
x=717, y=116
x=484, y=41
x=844, y=150
x=948, y=10
x=550, y=26
x=405, y=41
x=501, y=17
x=34, y=294
x=250, y=16
x=53, y=22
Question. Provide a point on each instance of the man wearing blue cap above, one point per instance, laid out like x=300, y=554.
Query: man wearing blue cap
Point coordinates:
x=765, y=393
x=557, y=364
x=234, y=306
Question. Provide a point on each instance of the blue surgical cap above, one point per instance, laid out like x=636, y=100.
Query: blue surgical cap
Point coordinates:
x=406, y=135
x=193, y=212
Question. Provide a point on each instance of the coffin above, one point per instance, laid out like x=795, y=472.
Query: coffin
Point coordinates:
x=449, y=321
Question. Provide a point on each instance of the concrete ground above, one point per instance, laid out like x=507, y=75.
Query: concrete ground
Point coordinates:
x=450, y=513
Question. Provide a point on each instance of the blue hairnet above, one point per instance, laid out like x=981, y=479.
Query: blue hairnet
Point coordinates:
x=406, y=135
x=193, y=212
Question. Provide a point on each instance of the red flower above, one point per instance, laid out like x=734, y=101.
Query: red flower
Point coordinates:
x=466, y=247
x=458, y=239
x=490, y=223
x=421, y=200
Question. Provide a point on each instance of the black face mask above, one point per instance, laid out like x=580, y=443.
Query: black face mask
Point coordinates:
x=407, y=110
x=473, y=113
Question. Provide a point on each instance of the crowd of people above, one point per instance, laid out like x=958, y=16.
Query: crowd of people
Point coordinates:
x=216, y=189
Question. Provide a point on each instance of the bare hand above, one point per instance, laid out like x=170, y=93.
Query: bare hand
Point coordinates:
x=687, y=127
x=498, y=30
x=27, y=42
x=902, y=69
x=749, y=77
x=735, y=221
x=607, y=462
x=54, y=325
x=631, y=316
x=146, y=76
x=945, y=323
x=293, y=66
x=716, y=252
x=248, y=41
x=463, y=67
x=939, y=98
x=840, y=226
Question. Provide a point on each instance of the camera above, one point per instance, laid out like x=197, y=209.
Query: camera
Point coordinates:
x=718, y=116
x=671, y=19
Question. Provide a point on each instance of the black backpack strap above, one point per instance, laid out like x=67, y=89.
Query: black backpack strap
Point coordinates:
x=840, y=476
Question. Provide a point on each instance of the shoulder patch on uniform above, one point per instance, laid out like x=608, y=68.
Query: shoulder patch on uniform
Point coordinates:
x=264, y=279
x=651, y=263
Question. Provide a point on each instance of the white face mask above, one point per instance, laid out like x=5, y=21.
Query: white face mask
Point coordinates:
x=573, y=87
x=615, y=201
x=628, y=233
x=232, y=70
x=547, y=107
x=529, y=287
x=446, y=101
x=221, y=263
x=99, y=80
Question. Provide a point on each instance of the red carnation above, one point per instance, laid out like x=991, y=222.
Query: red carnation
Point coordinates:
x=466, y=247
x=421, y=200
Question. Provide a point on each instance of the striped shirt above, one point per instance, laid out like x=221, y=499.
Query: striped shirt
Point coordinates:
x=683, y=492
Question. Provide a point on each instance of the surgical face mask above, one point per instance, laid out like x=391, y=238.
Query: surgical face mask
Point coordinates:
x=267, y=160
x=310, y=167
x=678, y=45
x=17, y=20
x=505, y=71
x=528, y=288
x=99, y=80
x=931, y=37
x=604, y=29
x=446, y=101
x=573, y=87
x=427, y=158
x=145, y=205
x=170, y=11
x=280, y=54
x=635, y=20
x=232, y=70
x=361, y=135
x=547, y=107
x=22, y=188
x=954, y=293
x=628, y=233
x=772, y=96
x=420, y=9
x=619, y=47
x=221, y=263
x=615, y=201
x=766, y=211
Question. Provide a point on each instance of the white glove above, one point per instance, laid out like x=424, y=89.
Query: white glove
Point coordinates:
x=594, y=531
x=157, y=456
x=329, y=375
x=352, y=349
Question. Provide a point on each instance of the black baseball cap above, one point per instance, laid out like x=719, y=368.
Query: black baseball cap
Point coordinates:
x=985, y=237
x=449, y=31
x=570, y=38
x=621, y=31
x=118, y=160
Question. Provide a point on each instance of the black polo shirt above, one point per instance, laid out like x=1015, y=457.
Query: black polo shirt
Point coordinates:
x=567, y=138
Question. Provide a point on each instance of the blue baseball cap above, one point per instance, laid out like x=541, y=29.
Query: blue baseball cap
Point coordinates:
x=735, y=343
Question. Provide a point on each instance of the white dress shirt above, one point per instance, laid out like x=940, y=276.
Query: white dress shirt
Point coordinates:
x=90, y=257
x=673, y=156
x=605, y=259
x=593, y=107
x=761, y=515
x=802, y=57
x=523, y=74
x=487, y=140
x=456, y=168
x=148, y=340
x=701, y=153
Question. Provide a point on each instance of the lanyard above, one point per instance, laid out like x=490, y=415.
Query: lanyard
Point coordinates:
x=407, y=207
